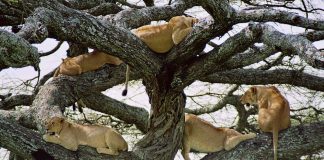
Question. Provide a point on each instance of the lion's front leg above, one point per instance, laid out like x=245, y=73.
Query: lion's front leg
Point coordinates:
x=179, y=34
x=51, y=138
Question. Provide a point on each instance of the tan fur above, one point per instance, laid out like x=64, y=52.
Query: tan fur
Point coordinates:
x=273, y=113
x=69, y=135
x=85, y=63
x=202, y=136
x=161, y=38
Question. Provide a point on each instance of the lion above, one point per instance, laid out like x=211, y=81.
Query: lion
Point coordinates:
x=202, y=136
x=274, y=111
x=161, y=38
x=70, y=135
x=85, y=63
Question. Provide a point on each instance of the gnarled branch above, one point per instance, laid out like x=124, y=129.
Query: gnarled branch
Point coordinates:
x=293, y=143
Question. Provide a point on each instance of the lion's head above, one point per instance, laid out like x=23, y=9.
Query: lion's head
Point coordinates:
x=179, y=21
x=54, y=125
x=249, y=97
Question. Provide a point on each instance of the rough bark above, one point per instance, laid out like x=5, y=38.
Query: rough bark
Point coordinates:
x=16, y=51
x=293, y=143
x=165, y=78
x=129, y=114
x=278, y=76
x=166, y=122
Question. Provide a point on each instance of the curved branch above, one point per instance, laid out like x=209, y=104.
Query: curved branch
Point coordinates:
x=129, y=114
x=132, y=18
x=233, y=45
x=293, y=143
x=12, y=101
x=195, y=42
x=221, y=11
x=104, y=9
x=53, y=50
x=253, y=55
x=228, y=99
x=258, y=77
x=83, y=4
x=295, y=44
x=271, y=15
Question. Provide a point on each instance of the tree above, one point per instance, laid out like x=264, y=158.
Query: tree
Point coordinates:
x=165, y=77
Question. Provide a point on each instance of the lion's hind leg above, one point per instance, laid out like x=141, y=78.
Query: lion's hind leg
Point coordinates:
x=234, y=138
x=185, y=147
x=108, y=151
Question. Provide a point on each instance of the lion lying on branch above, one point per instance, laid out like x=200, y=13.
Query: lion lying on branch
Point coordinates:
x=202, y=136
x=161, y=38
x=70, y=135
x=85, y=63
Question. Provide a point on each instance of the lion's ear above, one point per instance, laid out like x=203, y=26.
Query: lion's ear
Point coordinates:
x=254, y=90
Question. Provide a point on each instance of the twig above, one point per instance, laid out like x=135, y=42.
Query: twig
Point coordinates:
x=51, y=51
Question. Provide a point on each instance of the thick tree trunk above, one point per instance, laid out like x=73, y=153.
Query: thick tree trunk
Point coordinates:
x=166, y=123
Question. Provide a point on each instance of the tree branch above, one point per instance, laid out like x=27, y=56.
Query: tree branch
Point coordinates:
x=53, y=50
x=104, y=9
x=31, y=145
x=233, y=45
x=86, y=30
x=270, y=15
x=293, y=143
x=12, y=101
x=129, y=114
x=313, y=35
x=222, y=103
x=295, y=44
x=16, y=52
x=133, y=18
x=258, y=77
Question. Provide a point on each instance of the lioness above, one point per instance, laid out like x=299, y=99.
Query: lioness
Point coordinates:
x=70, y=135
x=161, y=38
x=202, y=136
x=273, y=113
x=85, y=63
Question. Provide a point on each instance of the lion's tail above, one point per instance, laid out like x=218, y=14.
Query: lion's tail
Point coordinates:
x=275, y=143
x=56, y=73
x=126, y=81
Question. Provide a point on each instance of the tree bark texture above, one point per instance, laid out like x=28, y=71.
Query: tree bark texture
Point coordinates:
x=166, y=122
x=29, y=144
x=293, y=143
x=165, y=78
